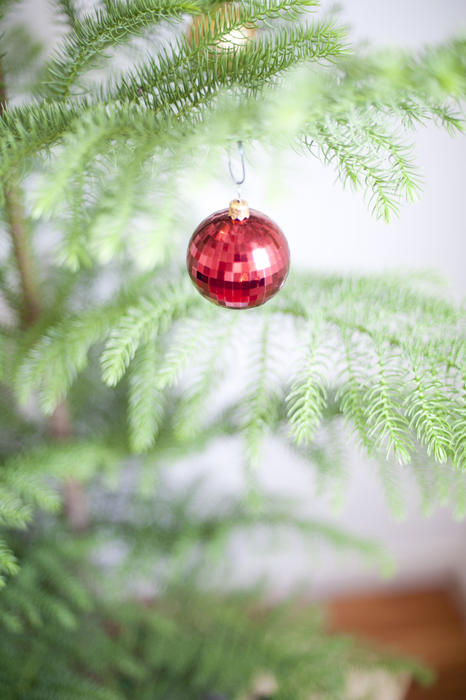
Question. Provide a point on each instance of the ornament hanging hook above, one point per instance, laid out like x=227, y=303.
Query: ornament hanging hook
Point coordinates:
x=238, y=181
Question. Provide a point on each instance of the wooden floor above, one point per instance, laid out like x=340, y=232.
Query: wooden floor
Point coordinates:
x=426, y=624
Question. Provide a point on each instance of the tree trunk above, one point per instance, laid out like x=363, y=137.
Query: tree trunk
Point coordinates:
x=60, y=426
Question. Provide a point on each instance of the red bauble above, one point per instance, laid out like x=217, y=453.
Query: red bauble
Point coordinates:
x=238, y=262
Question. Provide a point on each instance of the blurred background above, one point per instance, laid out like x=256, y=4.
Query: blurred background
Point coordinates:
x=330, y=228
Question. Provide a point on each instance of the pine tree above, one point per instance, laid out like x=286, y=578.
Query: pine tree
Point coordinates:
x=109, y=358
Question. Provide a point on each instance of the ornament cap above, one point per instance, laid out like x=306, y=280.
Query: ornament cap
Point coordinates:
x=239, y=210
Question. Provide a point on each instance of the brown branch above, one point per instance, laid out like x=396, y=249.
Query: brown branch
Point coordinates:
x=60, y=426
x=74, y=499
x=19, y=237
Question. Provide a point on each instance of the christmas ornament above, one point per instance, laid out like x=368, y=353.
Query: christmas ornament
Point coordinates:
x=238, y=257
x=227, y=13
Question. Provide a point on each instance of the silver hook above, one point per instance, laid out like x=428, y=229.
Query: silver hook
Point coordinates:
x=238, y=182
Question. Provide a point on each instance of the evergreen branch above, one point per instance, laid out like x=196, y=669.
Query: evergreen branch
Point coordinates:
x=44, y=593
x=52, y=364
x=384, y=169
x=388, y=426
x=124, y=197
x=80, y=145
x=427, y=408
x=8, y=563
x=145, y=400
x=210, y=368
x=350, y=395
x=20, y=492
x=459, y=439
x=189, y=343
x=25, y=131
x=140, y=324
x=23, y=473
x=393, y=482
x=188, y=642
x=188, y=78
x=23, y=480
x=308, y=397
x=96, y=132
x=348, y=301
x=366, y=156
x=13, y=512
x=260, y=402
x=459, y=427
x=11, y=298
x=74, y=248
x=253, y=12
x=175, y=65
x=68, y=10
x=94, y=34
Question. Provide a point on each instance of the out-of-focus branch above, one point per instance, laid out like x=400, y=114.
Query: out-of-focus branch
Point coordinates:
x=60, y=426
x=18, y=232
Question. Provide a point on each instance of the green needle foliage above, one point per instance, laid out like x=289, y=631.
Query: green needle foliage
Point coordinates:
x=111, y=365
x=107, y=28
x=397, y=389
x=185, y=646
x=145, y=400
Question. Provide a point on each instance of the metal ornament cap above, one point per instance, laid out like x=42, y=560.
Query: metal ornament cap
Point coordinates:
x=238, y=263
x=239, y=209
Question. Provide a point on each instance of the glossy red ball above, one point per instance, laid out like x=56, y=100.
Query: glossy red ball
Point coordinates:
x=238, y=264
